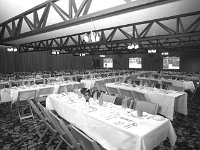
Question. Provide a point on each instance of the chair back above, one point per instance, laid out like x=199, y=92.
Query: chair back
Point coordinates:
x=47, y=117
x=36, y=110
x=3, y=85
x=166, y=85
x=16, y=83
x=153, y=83
x=39, y=81
x=102, y=88
x=107, y=98
x=176, y=88
x=140, y=96
x=63, y=130
x=148, y=107
x=118, y=100
x=24, y=95
x=69, y=87
x=78, y=86
x=113, y=91
x=126, y=93
x=45, y=91
x=62, y=89
x=84, y=140
x=55, y=121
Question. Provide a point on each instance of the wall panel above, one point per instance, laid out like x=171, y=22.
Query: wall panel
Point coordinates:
x=41, y=61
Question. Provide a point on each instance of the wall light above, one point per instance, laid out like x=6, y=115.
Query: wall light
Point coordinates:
x=55, y=52
x=165, y=53
x=12, y=49
x=152, y=51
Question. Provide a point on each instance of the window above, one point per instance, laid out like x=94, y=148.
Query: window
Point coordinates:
x=135, y=62
x=107, y=63
x=171, y=62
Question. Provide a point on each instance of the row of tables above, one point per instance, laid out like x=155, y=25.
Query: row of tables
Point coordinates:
x=11, y=94
x=187, y=85
x=106, y=124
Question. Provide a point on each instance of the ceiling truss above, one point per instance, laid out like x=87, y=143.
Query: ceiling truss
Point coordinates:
x=183, y=33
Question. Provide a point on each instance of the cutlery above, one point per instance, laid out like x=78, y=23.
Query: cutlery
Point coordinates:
x=131, y=125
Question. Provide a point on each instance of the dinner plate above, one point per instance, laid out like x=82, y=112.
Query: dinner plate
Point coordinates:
x=158, y=118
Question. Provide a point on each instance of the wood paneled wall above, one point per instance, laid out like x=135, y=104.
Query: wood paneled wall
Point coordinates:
x=41, y=61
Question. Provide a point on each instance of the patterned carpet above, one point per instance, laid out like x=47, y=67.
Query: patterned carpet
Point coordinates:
x=22, y=136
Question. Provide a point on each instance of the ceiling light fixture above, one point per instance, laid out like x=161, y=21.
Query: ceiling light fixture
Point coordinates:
x=92, y=37
x=55, y=52
x=133, y=46
x=165, y=53
x=152, y=51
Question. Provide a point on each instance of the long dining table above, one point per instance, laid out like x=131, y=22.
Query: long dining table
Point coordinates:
x=186, y=85
x=11, y=94
x=169, y=100
x=112, y=126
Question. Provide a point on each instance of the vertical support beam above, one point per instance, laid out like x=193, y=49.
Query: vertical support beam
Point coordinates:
x=181, y=24
x=19, y=26
x=2, y=33
x=72, y=5
x=13, y=27
x=177, y=25
x=35, y=18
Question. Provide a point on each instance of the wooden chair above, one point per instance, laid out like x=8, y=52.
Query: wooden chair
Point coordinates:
x=148, y=107
x=3, y=85
x=84, y=140
x=102, y=88
x=43, y=93
x=118, y=100
x=62, y=89
x=78, y=86
x=23, y=108
x=48, y=123
x=166, y=85
x=39, y=81
x=64, y=132
x=41, y=118
x=140, y=96
x=107, y=98
x=113, y=91
x=176, y=88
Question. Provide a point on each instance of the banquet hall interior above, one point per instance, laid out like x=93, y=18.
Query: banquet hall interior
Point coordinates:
x=99, y=74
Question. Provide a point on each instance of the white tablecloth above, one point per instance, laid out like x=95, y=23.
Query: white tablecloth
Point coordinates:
x=169, y=101
x=106, y=124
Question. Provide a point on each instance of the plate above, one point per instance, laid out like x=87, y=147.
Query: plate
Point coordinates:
x=158, y=118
